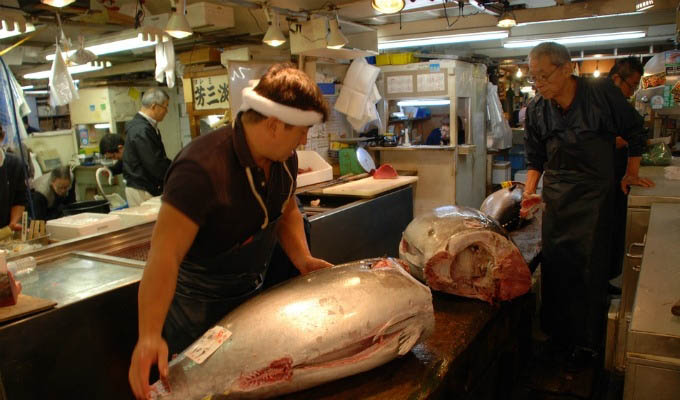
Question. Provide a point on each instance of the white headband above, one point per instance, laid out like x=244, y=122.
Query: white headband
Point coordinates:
x=290, y=115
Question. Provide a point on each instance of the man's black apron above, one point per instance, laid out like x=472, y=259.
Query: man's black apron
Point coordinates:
x=577, y=189
x=208, y=289
x=620, y=212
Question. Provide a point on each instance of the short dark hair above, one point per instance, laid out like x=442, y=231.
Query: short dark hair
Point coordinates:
x=626, y=67
x=60, y=173
x=287, y=85
x=109, y=143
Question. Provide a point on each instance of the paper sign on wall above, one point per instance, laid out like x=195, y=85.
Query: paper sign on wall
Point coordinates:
x=400, y=84
x=211, y=92
x=431, y=82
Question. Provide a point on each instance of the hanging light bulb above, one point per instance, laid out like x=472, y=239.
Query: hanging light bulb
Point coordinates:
x=336, y=39
x=506, y=20
x=274, y=37
x=388, y=6
x=178, y=26
x=57, y=3
x=596, y=73
x=519, y=73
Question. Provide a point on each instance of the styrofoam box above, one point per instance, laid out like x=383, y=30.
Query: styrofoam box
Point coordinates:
x=154, y=201
x=321, y=170
x=501, y=172
x=84, y=224
x=139, y=214
x=209, y=16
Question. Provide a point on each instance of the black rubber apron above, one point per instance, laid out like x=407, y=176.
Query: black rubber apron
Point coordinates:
x=208, y=289
x=577, y=189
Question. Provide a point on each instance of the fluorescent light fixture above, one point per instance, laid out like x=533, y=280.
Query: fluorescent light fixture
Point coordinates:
x=115, y=46
x=274, y=37
x=36, y=92
x=641, y=5
x=73, y=70
x=576, y=39
x=506, y=20
x=388, y=6
x=102, y=126
x=423, y=103
x=336, y=39
x=57, y=3
x=6, y=32
x=178, y=26
x=590, y=18
x=526, y=89
x=28, y=87
x=429, y=41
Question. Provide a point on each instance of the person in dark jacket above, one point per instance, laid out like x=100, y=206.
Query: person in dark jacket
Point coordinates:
x=625, y=74
x=12, y=189
x=51, y=194
x=570, y=134
x=111, y=147
x=144, y=160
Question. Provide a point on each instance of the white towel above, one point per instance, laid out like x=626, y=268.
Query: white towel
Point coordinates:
x=165, y=62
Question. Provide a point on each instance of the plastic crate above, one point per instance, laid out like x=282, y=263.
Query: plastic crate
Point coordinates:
x=402, y=58
x=382, y=59
x=349, y=163
x=370, y=60
x=327, y=88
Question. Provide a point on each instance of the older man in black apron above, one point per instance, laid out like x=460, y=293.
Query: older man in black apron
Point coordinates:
x=228, y=198
x=570, y=137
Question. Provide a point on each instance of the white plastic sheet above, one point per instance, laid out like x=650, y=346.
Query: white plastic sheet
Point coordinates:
x=62, y=88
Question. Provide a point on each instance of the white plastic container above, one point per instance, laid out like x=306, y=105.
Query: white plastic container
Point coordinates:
x=154, y=201
x=138, y=215
x=501, y=172
x=84, y=224
x=321, y=170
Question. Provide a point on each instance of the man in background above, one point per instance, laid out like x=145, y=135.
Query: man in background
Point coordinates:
x=12, y=191
x=111, y=147
x=144, y=159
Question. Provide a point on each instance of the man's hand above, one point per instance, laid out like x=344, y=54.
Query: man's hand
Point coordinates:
x=630, y=180
x=621, y=142
x=312, y=264
x=15, y=226
x=148, y=351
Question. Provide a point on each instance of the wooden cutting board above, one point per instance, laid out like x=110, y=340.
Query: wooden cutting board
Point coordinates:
x=369, y=187
x=26, y=305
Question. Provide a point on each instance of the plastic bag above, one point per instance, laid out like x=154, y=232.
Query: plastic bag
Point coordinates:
x=500, y=136
x=658, y=154
x=62, y=88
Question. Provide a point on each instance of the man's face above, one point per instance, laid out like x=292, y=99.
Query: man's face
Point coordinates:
x=116, y=155
x=160, y=110
x=628, y=85
x=288, y=139
x=445, y=130
x=61, y=186
x=548, y=78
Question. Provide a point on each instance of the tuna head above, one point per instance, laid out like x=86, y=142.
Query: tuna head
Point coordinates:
x=461, y=251
x=312, y=329
x=503, y=206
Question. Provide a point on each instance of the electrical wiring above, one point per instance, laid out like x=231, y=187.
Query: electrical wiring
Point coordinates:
x=256, y=21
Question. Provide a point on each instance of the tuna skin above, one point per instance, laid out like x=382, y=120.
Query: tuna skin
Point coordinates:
x=462, y=251
x=312, y=329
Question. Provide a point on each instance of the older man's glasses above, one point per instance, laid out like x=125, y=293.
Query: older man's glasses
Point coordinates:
x=542, y=77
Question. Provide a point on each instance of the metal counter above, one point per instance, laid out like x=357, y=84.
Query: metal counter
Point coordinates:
x=637, y=219
x=653, y=346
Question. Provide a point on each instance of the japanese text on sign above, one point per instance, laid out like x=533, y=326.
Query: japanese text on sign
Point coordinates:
x=211, y=92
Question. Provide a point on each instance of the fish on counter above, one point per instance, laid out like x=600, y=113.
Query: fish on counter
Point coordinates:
x=460, y=250
x=313, y=329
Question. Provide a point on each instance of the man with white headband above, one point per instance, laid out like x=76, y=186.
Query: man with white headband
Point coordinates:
x=228, y=198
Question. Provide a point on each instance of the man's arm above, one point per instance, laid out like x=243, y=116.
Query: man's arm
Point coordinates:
x=632, y=178
x=533, y=176
x=171, y=239
x=15, y=217
x=291, y=234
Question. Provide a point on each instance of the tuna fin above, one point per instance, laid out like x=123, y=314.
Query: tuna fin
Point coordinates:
x=408, y=338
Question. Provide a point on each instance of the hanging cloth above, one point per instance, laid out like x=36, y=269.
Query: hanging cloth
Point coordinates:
x=62, y=88
x=165, y=62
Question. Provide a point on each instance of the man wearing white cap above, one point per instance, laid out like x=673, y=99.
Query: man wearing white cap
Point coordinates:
x=228, y=198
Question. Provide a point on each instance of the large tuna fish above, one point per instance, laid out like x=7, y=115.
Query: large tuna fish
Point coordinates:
x=312, y=329
x=462, y=251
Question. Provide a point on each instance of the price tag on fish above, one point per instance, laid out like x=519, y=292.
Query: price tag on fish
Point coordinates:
x=208, y=344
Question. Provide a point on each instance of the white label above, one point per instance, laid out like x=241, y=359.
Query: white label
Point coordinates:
x=207, y=344
x=211, y=92
x=400, y=84
x=431, y=82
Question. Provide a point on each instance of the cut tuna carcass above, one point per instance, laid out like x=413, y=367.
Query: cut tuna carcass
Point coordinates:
x=9, y=289
x=462, y=251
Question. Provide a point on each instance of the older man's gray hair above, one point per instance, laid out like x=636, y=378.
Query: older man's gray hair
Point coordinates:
x=154, y=96
x=559, y=55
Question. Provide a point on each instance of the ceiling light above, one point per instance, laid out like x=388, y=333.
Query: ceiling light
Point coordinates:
x=506, y=20
x=6, y=32
x=35, y=92
x=95, y=66
x=274, y=37
x=596, y=73
x=429, y=41
x=113, y=46
x=388, y=6
x=57, y=3
x=178, y=26
x=423, y=103
x=575, y=39
x=519, y=73
x=336, y=39
x=102, y=126
x=641, y=5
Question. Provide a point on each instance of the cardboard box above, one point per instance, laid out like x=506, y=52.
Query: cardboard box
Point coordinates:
x=203, y=55
x=205, y=16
